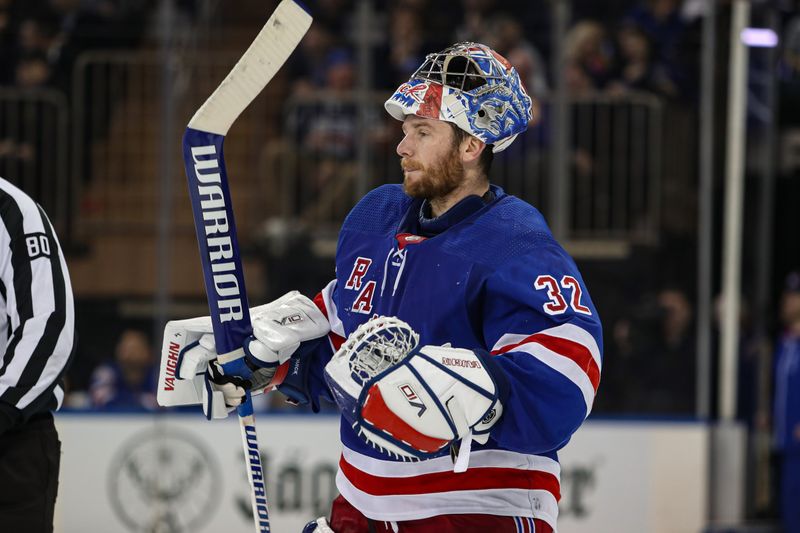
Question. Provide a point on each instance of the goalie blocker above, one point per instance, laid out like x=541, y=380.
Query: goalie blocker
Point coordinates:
x=190, y=373
x=410, y=401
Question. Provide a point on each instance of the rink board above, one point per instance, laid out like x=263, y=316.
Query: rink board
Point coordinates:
x=176, y=473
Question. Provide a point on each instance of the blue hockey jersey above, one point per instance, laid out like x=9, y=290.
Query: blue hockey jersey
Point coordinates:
x=490, y=277
x=786, y=411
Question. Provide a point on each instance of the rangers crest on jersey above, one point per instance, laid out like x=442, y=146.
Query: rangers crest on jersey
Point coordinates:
x=366, y=289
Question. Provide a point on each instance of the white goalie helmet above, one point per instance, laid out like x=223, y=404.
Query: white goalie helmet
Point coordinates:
x=471, y=86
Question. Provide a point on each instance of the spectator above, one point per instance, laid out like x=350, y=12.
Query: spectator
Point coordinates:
x=335, y=15
x=661, y=20
x=328, y=126
x=40, y=33
x=406, y=46
x=673, y=354
x=7, y=37
x=589, y=56
x=414, y=27
x=129, y=381
x=32, y=70
x=506, y=35
x=308, y=64
x=786, y=411
x=320, y=145
x=789, y=74
x=92, y=25
x=474, y=24
x=663, y=23
x=657, y=341
x=578, y=81
x=606, y=11
x=637, y=69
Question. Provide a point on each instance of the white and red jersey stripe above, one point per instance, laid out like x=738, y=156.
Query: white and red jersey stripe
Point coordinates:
x=497, y=482
x=324, y=300
x=568, y=349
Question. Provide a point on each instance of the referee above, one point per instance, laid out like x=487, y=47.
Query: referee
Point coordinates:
x=37, y=324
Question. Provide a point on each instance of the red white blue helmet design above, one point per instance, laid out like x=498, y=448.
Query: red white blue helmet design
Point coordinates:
x=472, y=86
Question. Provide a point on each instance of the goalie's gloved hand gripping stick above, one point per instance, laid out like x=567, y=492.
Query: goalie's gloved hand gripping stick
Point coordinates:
x=213, y=213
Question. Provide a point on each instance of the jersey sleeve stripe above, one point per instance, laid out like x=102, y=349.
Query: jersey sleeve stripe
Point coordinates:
x=565, y=331
x=578, y=353
x=330, y=306
x=565, y=366
x=324, y=301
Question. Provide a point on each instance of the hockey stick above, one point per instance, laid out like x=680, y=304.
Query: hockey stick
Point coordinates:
x=213, y=213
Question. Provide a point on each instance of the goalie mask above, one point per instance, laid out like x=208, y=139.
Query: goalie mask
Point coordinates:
x=472, y=86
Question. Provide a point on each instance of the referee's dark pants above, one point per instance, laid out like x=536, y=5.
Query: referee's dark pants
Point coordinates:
x=29, y=461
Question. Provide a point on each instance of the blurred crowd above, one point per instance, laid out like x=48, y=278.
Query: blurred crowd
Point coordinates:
x=610, y=48
x=635, y=45
x=41, y=39
x=643, y=46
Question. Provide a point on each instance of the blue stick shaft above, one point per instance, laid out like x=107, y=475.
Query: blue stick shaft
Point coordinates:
x=216, y=237
x=224, y=281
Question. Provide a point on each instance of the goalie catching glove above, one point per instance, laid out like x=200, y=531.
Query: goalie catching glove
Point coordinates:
x=279, y=330
x=409, y=401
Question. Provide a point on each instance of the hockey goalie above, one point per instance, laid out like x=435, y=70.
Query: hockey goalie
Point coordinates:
x=458, y=337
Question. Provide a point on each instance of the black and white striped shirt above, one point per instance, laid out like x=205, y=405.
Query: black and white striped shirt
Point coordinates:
x=37, y=315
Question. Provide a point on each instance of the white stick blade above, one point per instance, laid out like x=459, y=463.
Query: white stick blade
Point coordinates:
x=267, y=53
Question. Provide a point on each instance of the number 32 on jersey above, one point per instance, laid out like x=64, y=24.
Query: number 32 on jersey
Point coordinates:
x=555, y=292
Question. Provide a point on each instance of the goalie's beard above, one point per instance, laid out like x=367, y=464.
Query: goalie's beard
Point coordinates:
x=436, y=181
